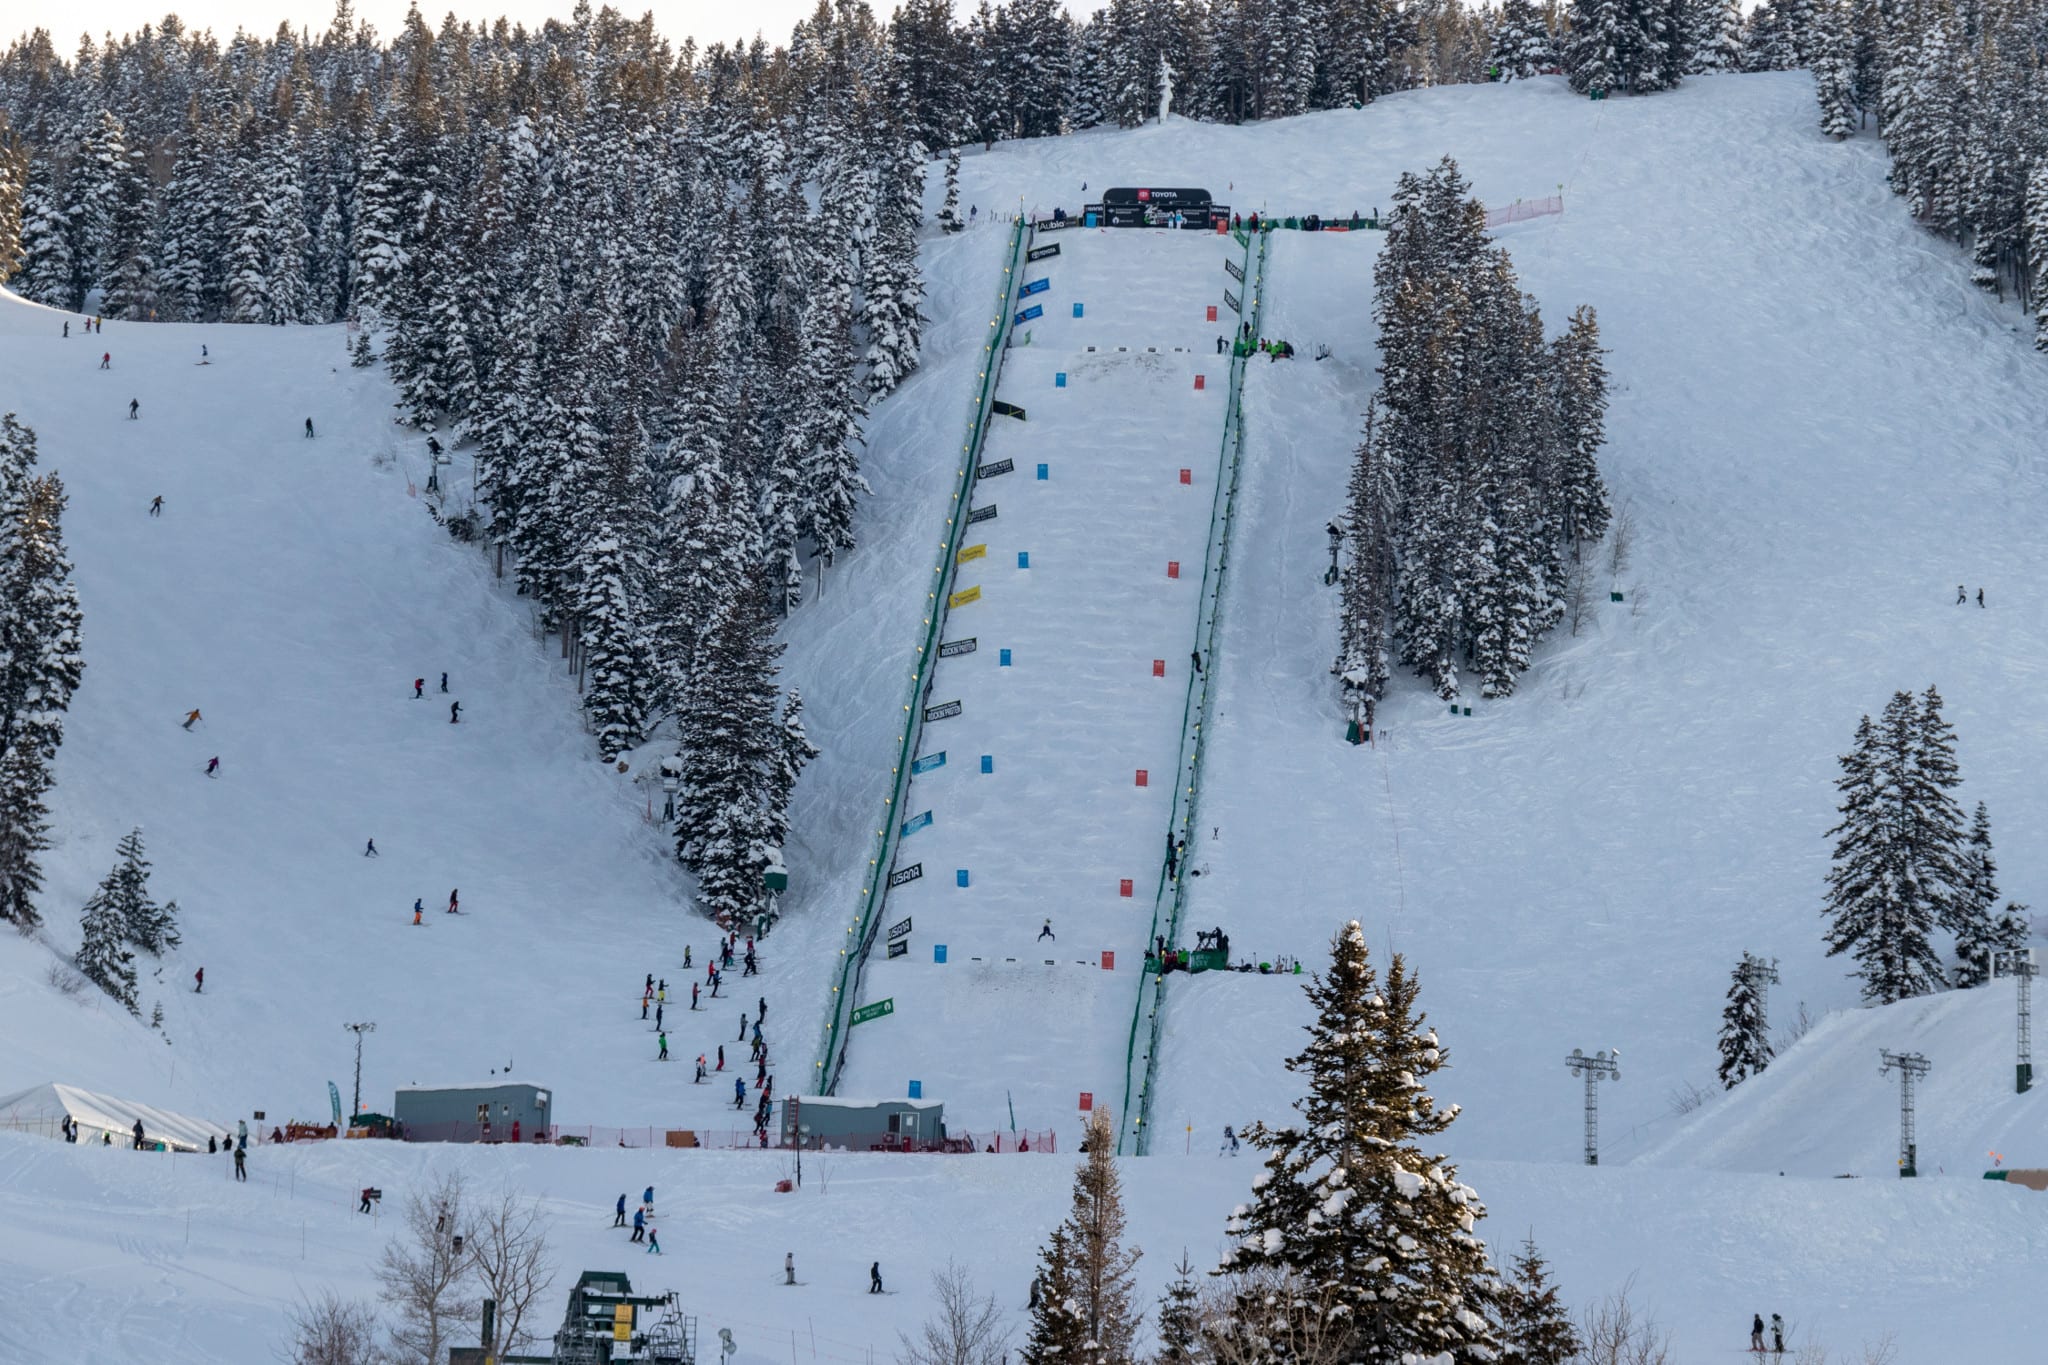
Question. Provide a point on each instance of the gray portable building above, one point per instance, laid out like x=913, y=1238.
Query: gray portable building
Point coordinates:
x=827, y=1121
x=474, y=1113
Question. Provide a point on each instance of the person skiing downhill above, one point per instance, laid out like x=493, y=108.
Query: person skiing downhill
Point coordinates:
x=454, y=713
x=1962, y=595
x=199, y=982
x=191, y=718
x=444, y=682
x=739, y=1092
x=156, y=505
x=212, y=764
x=1229, y=1142
x=419, y=688
x=639, y=1223
x=106, y=360
x=454, y=902
x=721, y=1056
x=699, y=1080
x=693, y=995
x=134, y=406
x=653, y=1242
x=662, y=1056
x=620, y=1220
x=1980, y=597
x=875, y=1278
x=1047, y=933
x=416, y=908
x=1756, y=1333
x=370, y=849
x=309, y=428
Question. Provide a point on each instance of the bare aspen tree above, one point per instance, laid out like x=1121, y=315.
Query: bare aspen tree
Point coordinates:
x=331, y=1330
x=965, y=1329
x=425, y=1280
x=508, y=1255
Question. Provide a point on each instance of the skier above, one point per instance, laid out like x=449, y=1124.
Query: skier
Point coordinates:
x=309, y=428
x=686, y=957
x=1961, y=595
x=1172, y=858
x=454, y=713
x=156, y=505
x=241, y=1167
x=444, y=682
x=657, y=1017
x=619, y=1220
x=211, y=765
x=739, y=1092
x=370, y=849
x=1229, y=1142
x=764, y=1011
x=1980, y=597
x=416, y=908
x=653, y=1242
x=875, y=1278
x=106, y=360
x=1756, y=1333
x=202, y=350
x=639, y=1225
x=693, y=995
x=138, y=1135
x=1047, y=933
x=753, y=965
x=67, y=329
x=134, y=406
x=699, y=1080
x=1219, y=345
x=789, y=1267
x=454, y=903
x=1777, y=1334
x=647, y=1200
x=743, y=1026
x=645, y=1001
x=1196, y=655
x=650, y=983
x=419, y=688
x=199, y=982
x=663, y=1055
x=721, y=1056
x=364, y=1206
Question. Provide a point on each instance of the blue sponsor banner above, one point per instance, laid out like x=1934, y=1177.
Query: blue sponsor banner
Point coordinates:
x=1034, y=311
x=929, y=762
x=1034, y=287
x=916, y=823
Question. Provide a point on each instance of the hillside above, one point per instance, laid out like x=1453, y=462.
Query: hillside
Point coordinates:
x=1818, y=429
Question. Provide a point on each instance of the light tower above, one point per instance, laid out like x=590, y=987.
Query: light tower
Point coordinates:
x=1910, y=1065
x=359, y=1030
x=2019, y=962
x=1601, y=1066
x=1760, y=976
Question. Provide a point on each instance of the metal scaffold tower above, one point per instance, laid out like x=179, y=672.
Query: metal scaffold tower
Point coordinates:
x=1910, y=1066
x=1601, y=1066
x=2019, y=963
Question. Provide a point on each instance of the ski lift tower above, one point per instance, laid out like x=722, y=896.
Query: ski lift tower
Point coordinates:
x=2019, y=962
x=1911, y=1065
x=1601, y=1066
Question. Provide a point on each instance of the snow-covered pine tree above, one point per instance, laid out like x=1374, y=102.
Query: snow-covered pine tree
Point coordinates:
x=13, y=181
x=48, y=271
x=150, y=927
x=1982, y=927
x=1833, y=69
x=608, y=624
x=1378, y=1238
x=1716, y=42
x=1180, y=1323
x=1535, y=1326
x=1897, y=856
x=1366, y=585
x=1745, y=1032
x=128, y=274
x=949, y=212
x=1094, y=1271
x=1767, y=41
x=103, y=957
x=891, y=288
x=40, y=663
x=1592, y=54
x=2035, y=234
x=1521, y=42
x=1579, y=495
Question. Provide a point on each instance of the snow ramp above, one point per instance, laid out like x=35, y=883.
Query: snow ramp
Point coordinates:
x=1029, y=842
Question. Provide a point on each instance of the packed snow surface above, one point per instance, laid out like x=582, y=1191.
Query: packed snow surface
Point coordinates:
x=1818, y=430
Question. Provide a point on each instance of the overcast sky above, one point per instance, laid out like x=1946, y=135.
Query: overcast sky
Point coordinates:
x=704, y=20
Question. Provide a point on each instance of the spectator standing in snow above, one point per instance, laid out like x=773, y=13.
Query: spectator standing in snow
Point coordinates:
x=1756, y=1333
x=241, y=1163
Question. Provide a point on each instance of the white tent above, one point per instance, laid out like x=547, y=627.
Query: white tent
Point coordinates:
x=43, y=1108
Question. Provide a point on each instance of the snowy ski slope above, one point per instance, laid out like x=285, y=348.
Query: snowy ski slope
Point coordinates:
x=1081, y=588
x=1821, y=429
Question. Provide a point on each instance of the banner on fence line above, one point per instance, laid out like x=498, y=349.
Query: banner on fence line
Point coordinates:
x=874, y=1011
x=1236, y=305
x=1034, y=311
x=1233, y=269
x=987, y=513
x=900, y=927
x=1054, y=224
x=1522, y=210
x=900, y=948
x=968, y=552
x=904, y=876
x=927, y=763
x=989, y=471
x=945, y=710
x=964, y=596
x=949, y=648
x=916, y=822
x=1040, y=253
x=1034, y=287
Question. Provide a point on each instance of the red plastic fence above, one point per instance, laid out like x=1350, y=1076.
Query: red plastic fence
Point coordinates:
x=723, y=1139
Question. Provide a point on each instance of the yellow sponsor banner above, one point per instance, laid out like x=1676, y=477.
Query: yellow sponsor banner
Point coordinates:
x=968, y=552
x=964, y=596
